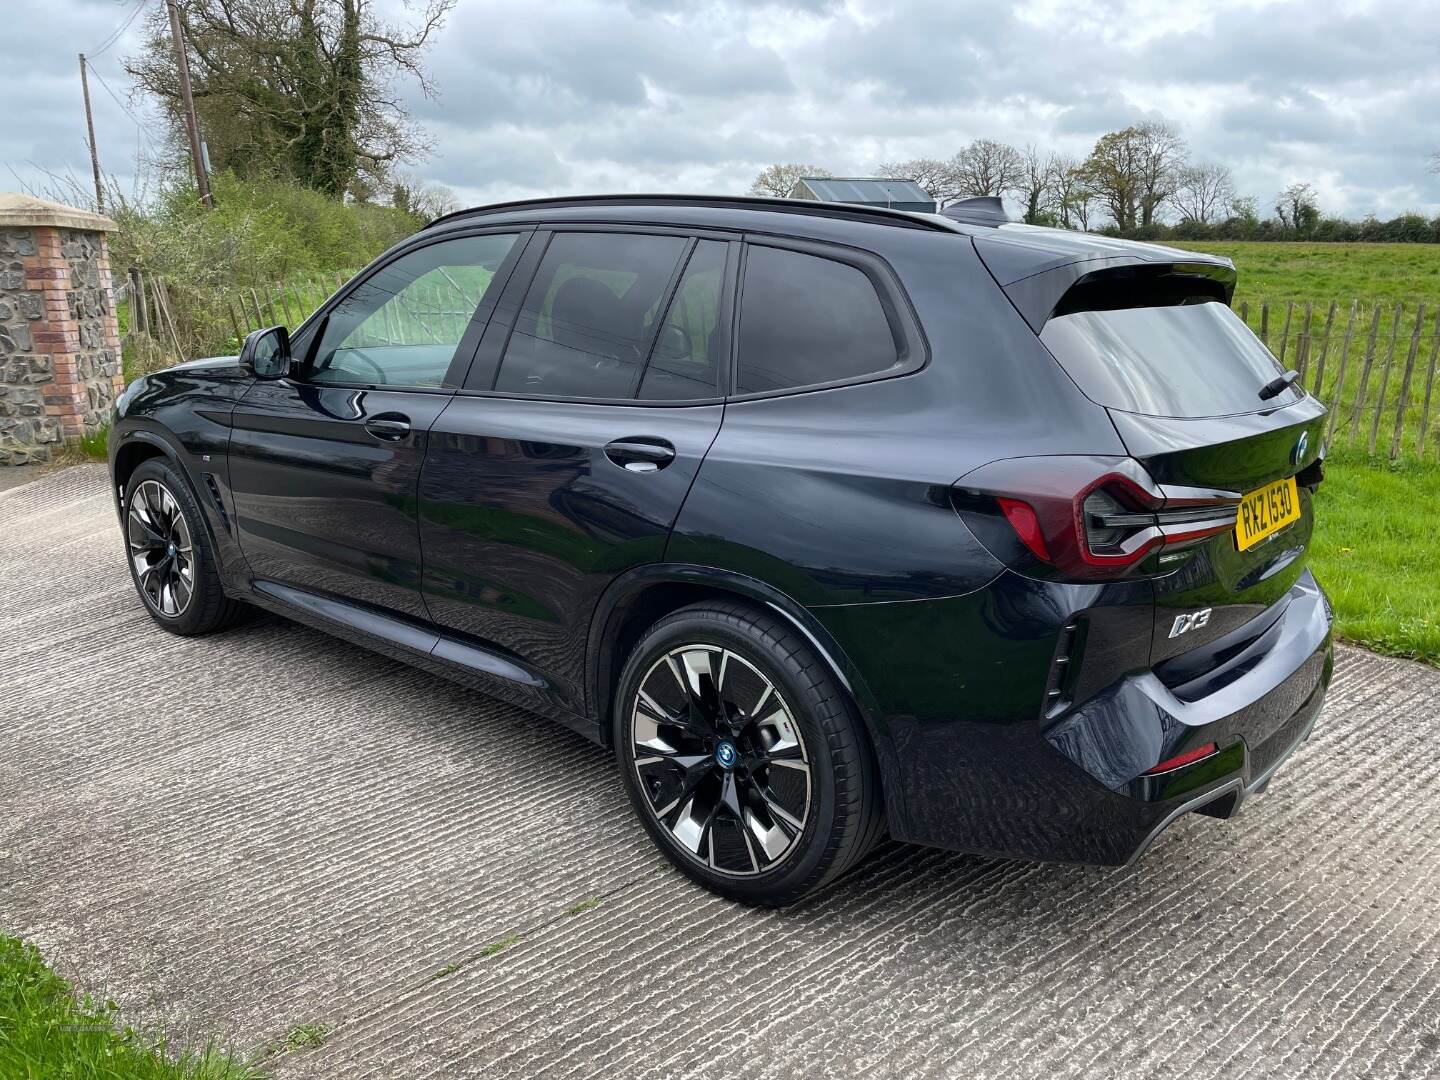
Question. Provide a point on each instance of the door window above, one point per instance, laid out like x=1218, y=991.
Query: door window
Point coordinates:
x=685, y=362
x=586, y=324
x=807, y=320
x=402, y=325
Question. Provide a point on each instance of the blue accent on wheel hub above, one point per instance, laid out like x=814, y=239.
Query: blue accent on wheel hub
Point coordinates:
x=726, y=755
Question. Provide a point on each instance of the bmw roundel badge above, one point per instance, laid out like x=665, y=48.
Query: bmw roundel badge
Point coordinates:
x=1301, y=445
x=726, y=755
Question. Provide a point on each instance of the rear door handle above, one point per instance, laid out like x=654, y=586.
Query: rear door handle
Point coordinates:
x=388, y=426
x=640, y=454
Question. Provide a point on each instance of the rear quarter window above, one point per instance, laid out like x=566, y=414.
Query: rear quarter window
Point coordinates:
x=807, y=320
x=1182, y=360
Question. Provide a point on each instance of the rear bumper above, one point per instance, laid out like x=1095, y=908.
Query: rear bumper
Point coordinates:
x=1002, y=782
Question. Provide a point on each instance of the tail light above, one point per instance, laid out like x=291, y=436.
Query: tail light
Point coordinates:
x=1187, y=758
x=1085, y=518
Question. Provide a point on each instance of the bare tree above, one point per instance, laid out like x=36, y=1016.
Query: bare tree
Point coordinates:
x=940, y=179
x=1073, y=196
x=1035, y=187
x=1298, y=207
x=1162, y=156
x=301, y=89
x=987, y=167
x=425, y=200
x=777, y=181
x=1204, y=193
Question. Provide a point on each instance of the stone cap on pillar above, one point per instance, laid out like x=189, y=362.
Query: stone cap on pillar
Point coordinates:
x=26, y=211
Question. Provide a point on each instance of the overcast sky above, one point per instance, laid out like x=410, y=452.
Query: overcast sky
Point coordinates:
x=567, y=96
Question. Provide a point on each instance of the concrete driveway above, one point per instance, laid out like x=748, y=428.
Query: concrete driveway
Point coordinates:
x=242, y=834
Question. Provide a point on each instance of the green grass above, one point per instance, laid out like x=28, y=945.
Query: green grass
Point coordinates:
x=1376, y=551
x=501, y=945
x=48, y=1032
x=1282, y=270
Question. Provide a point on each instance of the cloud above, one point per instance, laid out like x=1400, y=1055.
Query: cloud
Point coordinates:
x=606, y=95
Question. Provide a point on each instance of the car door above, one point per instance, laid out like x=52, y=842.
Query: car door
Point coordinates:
x=323, y=465
x=565, y=459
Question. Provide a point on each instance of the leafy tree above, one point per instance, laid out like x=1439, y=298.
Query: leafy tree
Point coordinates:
x=940, y=178
x=1134, y=171
x=293, y=88
x=1203, y=192
x=987, y=167
x=1113, y=173
x=777, y=181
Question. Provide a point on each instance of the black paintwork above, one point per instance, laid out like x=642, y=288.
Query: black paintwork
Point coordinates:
x=499, y=543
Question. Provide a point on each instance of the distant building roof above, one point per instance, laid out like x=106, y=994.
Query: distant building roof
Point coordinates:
x=865, y=191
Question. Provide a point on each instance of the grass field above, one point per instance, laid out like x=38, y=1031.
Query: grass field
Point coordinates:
x=1376, y=550
x=1300, y=271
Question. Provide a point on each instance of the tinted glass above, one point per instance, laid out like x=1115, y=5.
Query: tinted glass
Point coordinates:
x=401, y=325
x=685, y=362
x=807, y=320
x=586, y=322
x=1188, y=360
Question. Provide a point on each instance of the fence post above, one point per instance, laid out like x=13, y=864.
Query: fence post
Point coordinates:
x=1265, y=323
x=139, y=323
x=1285, y=333
x=1324, y=349
x=1429, y=383
x=1245, y=312
x=1302, y=356
x=1340, y=375
x=1385, y=376
x=230, y=309
x=1405, y=381
x=1352, y=428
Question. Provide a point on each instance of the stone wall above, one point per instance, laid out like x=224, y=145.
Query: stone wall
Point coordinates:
x=59, y=341
x=27, y=433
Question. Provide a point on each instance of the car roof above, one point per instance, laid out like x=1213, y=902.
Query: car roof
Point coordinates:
x=1010, y=250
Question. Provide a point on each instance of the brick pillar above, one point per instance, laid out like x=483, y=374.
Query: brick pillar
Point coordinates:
x=59, y=339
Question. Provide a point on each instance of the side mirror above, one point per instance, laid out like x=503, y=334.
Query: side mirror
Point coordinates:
x=266, y=353
x=674, y=343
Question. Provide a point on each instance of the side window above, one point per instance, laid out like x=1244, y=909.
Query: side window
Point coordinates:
x=588, y=316
x=402, y=325
x=806, y=320
x=685, y=362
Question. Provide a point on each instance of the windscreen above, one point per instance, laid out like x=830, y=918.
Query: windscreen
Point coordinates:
x=1187, y=360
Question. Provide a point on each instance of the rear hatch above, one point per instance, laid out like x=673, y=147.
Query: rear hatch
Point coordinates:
x=1185, y=383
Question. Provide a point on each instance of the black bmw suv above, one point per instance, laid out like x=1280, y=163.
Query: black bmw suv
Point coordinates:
x=832, y=521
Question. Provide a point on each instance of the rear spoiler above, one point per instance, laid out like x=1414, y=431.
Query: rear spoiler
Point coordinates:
x=1040, y=296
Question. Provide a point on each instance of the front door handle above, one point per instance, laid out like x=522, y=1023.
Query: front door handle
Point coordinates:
x=388, y=426
x=640, y=454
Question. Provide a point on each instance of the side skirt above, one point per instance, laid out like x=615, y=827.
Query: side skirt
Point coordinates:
x=467, y=663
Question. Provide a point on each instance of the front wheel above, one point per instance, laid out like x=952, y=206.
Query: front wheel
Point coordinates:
x=742, y=758
x=172, y=562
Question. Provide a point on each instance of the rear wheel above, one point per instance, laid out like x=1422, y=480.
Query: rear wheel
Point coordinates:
x=743, y=759
x=171, y=560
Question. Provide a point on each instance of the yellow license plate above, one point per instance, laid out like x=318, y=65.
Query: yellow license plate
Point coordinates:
x=1265, y=511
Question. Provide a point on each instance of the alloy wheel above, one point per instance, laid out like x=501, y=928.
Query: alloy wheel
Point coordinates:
x=720, y=759
x=160, y=549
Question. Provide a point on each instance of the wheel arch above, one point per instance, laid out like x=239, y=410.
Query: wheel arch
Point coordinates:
x=135, y=447
x=639, y=598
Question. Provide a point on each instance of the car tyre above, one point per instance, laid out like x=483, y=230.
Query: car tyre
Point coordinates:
x=172, y=561
x=745, y=761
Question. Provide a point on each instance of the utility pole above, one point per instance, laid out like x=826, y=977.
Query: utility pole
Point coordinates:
x=90, y=127
x=192, y=126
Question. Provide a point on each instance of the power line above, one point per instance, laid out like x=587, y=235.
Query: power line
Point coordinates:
x=118, y=32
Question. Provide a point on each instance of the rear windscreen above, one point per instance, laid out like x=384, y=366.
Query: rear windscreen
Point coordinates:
x=1188, y=360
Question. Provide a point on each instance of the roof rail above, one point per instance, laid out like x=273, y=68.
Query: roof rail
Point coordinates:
x=813, y=207
x=980, y=210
